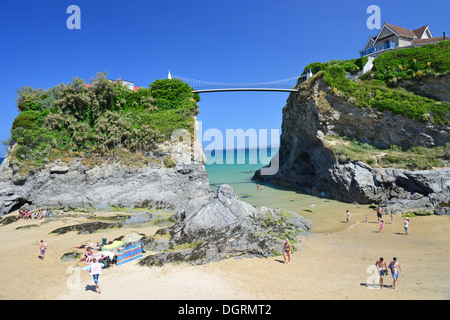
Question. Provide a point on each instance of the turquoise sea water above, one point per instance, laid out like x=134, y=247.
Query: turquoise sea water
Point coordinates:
x=236, y=168
x=326, y=215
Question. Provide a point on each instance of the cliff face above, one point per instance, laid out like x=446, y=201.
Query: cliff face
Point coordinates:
x=111, y=184
x=307, y=162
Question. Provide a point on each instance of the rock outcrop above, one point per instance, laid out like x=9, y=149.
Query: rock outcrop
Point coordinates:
x=220, y=226
x=156, y=184
x=307, y=163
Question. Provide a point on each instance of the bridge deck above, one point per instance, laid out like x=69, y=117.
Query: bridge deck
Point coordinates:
x=245, y=89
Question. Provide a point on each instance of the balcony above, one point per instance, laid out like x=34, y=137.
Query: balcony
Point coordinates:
x=378, y=48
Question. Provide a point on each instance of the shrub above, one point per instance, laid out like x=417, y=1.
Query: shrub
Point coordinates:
x=81, y=120
x=381, y=92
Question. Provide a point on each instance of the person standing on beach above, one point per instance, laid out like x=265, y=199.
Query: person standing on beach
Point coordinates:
x=392, y=218
x=95, y=270
x=381, y=226
x=379, y=213
x=287, y=251
x=42, y=247
x=394, y=266
x=382, y=270
x=367, y=217
x=348, y=216
x=406, y=225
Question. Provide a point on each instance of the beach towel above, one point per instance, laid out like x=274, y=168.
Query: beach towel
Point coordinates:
x=112, y=246
x=129, y=253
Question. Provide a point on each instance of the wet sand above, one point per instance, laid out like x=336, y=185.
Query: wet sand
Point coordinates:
x=335, y=263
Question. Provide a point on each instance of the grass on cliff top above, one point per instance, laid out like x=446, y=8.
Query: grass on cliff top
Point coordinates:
x=389, y=70
x=415, y=158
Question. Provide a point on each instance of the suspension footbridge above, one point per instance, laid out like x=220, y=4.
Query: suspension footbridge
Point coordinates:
x=285, y=85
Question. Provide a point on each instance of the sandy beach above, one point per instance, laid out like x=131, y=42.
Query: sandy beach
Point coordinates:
x=331, y=265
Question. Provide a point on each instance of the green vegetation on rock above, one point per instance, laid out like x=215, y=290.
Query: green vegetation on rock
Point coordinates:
x=77, y=119
x=415, y=158
x=379, y=88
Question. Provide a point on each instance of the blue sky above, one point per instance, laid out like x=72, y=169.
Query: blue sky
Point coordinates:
x=221, y=41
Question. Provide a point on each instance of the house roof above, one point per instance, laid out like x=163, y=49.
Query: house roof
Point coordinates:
x=419, y=32
x=429, y=40
x=407, y=33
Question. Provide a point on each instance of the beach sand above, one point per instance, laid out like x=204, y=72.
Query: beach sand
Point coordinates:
x=328, y=265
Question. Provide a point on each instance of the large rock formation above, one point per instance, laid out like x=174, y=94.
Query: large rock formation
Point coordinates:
x=219, y=226
x=172, y=176
x=306, y=161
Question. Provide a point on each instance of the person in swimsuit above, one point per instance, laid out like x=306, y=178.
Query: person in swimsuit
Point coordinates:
x=382, y=269
x=379, y=213
x=395, y=266
x=381, y=226
x=42, y=248
x=287, y=251
x=88, y=255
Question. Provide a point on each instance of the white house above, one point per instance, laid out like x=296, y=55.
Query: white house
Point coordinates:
x=391, y=37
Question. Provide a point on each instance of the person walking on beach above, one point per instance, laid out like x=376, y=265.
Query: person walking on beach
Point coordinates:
x=379, y=213
x=348, y=216
x=381, y=226
x=95, y=270
x=382, y=270
x=406, y=225
x=367, y=217
x=42, y=248
x=287, y=251
x=394, y=266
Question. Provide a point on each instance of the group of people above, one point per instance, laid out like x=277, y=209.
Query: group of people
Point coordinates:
x=259, y=187
x=394, y=267
x=40, y=214
x=381, y=221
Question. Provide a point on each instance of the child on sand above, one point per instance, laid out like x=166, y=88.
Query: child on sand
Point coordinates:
x=95, y=270
x=42, y=248
x=406, y=225
x=381, y=226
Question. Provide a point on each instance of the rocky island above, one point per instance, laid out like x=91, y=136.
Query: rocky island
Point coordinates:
x=382, y=137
